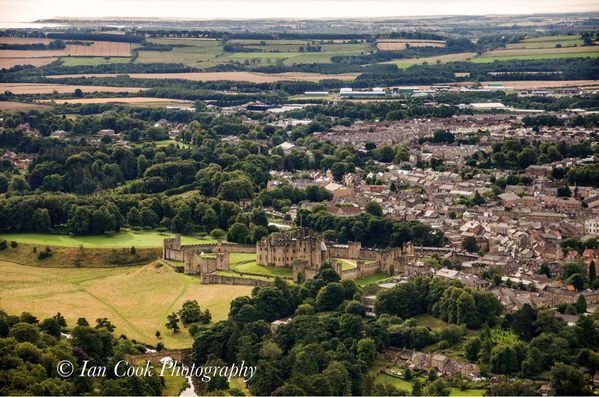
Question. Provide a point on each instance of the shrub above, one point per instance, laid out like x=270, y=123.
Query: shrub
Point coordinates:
x=444, y=345
x=13, y=244
x=3, y=245
x=132, y=250
x=217, y=233
x=44, y=254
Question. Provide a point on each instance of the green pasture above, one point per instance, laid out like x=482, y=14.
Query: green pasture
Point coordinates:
x=536, y=56
x=123, y=239
x=548, y=42
x=93, y=61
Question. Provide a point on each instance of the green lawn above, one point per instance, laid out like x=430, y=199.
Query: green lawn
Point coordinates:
x=237, y=257
x=94, y=61
x=426, y=320
x=231, y=273
x=470, y=392
x=402, y=384
x=123, y=239
x=397, y=382
x=537, y=56
x=167, y=142
x=178, y=263
x=373, y=279
x=253, y=267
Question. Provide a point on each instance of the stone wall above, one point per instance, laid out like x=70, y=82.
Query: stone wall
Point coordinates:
x=350, y=274
x=216, y=279
x=368, y=270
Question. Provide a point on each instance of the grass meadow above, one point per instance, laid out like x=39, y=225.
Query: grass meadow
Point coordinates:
x=535, y=56
x=123, y=239
x=135, y=299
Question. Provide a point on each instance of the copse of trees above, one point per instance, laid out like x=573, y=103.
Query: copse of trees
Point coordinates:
x=371, y=230
x=32, y=348
x=448, y=300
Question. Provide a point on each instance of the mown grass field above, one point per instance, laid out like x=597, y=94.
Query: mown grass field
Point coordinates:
x=123, y=239
x=537, y=56
x=540, y=51
x=94, y=61
x=548, y=42
x=406, y=63
x=135, y=300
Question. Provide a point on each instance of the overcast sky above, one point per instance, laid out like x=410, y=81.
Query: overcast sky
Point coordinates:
x=29, y=10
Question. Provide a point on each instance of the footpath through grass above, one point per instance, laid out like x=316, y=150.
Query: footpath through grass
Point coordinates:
x=123, y=239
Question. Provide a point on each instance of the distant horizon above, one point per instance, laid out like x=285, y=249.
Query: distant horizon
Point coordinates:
x=29, y=11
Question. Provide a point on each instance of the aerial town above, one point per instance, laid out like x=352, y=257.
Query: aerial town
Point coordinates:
x=385, y=205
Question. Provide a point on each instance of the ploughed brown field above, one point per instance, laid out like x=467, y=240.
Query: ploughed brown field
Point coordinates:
x=97, y=49
x=230, y=76
x=7, y=63
x=25, y=88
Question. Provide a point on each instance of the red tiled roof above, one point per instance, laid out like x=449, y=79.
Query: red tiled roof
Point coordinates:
x=571, y=288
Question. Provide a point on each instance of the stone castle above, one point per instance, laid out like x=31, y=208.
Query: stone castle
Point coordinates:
x=304, y=252
x=202, y=258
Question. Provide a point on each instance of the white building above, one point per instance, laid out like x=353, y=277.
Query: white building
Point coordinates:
x=591, y=226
